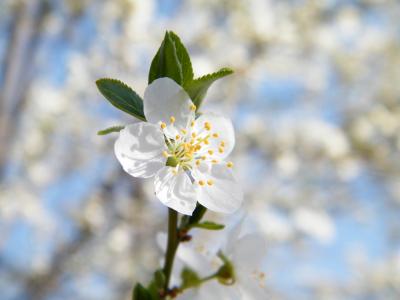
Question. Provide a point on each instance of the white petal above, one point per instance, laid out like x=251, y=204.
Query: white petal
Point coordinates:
x=221, y=126
x=139, y=149
x=164, y=99
x=224, y=195
x=175, y=191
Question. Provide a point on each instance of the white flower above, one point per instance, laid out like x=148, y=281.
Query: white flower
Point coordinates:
x=186, y=155
x=245, y=252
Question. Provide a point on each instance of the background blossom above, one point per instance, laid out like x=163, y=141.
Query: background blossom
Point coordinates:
x=315, y=104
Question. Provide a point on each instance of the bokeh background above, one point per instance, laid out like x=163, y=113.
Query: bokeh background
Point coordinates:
x=316, y=105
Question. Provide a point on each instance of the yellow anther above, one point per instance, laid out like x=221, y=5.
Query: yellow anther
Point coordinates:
x=163, y=125
x=207, y=125
x=203, y=157
x=222, y=144
x=165, y=154
x=193, y=107
x=211, y=152
x=214, y=161
x=172, y=119
x=206, y=142
x=210, y=182
x=221, y=150
x=177, y=137
x=229, y=164
x=198, y=162
x=193, y=134
x=183, y=131
x=201, y=183
x=215, y=135
x=192, y=124
x=198, y=147
x=192, y=141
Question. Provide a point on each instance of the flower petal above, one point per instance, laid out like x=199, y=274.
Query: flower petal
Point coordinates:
x=217, y=188
x=139, y=149
x=222, y=135
x=164, y=99
x=175, y=191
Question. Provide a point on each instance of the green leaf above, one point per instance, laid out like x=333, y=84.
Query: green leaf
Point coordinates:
x=141, y=293
x=110, y=130
x=189, y=278
x=121, y=96
x=209, y=225
x=159, y=278
x=171, y=60
x=197, y=89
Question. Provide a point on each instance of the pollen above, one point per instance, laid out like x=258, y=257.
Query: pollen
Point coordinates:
x=198, y=147
x=165, y=154
x=210, y=182
x=222, y=144
x=183, y=131
x=214, y=161
x=211, y=152
x=215, y=135
x=229, y=164
x=201, y=182
x=221, y=149
x=206, y=142
x=198, y=162
x=192, y=124
x=193, y=107
x=177, y=137
x=163, y=125
x=207, y=125
x=172, y=119
x=203, y=157
x=193, y=134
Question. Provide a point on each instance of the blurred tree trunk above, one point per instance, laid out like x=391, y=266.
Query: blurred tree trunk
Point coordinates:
x=17, y=70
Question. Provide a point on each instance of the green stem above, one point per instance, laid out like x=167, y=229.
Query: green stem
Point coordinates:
x=173, y=241
x=172, y=244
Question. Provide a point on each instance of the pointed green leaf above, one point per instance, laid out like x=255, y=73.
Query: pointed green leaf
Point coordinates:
x=197, y=89
x=140, y=293
x=110, y=130
x=121, y=96
x=209, y=225
x=189, y=278
x=184, y=59
x=172, y=60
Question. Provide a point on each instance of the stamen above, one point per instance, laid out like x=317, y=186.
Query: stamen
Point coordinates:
x=192, y=124
x=215, y=135
x=203, y=157
x=193, y=107
x=211, y=152
x=201, y=183
x=198, y=162
x=193, y=134
x=174, y=172
x=207, y=125
x=229, y=164
x=172, y=119
x=221, y=150
x=165, y=154
x=210, y=182
x=183, y=131
x=214, y=161
x=177, y=137
x=163, y=125
x=206, y=142
x=222, y=144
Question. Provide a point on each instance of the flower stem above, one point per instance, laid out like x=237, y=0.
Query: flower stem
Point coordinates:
x=172, y=244
x=173, y=241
